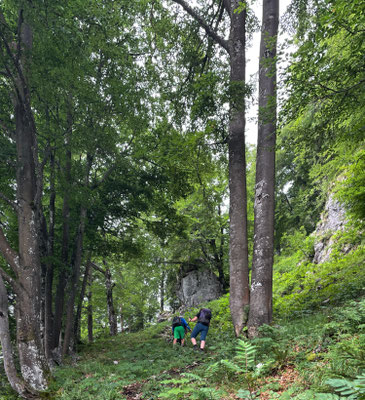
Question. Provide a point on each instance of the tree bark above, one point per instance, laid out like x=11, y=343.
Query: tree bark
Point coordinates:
x=109, y=285
x=26, y=264
x=113, y=327
x=162, y=290
x=263, y=253
x=17, y=383
x=70, y=317
x=70, y=313
x=48, y=314
x=62, y=279
x=238, y=249
x=121, y=318
x=90, y=334
x=77, y=328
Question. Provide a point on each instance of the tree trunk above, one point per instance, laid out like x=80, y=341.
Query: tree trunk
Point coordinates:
x=261, y=281
x=77, y=328
x=62, y=279
x=121, y=319
x=69, y=328
x=162, y=291
x=15, y=381
x=70, y=317
x=113, y=326
x=90, y=334
x=33, y=364
x=26, y=264
x=238, y=249
x=48, y=314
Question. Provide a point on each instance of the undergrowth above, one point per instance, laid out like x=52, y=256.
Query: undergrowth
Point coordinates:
x=315, y=349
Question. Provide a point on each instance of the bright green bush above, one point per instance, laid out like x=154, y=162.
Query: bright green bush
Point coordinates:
x=307, y=286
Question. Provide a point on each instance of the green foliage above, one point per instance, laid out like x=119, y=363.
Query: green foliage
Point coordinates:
x=245, y=355
x=300, y=285
x=323, y=125
x=352, y=390
x=351, y=189
x=222, y=321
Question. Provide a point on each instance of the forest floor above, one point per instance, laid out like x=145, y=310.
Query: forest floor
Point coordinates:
x=292, y=360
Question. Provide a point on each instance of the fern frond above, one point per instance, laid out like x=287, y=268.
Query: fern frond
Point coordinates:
x=193, y=377
x=211, y=393
x=344, y=388
x=246, y=354
x=230, y=365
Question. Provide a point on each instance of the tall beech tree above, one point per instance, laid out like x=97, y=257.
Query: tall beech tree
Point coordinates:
x=25, y=261
x=238, y=250
x=80, y=107
x=264, y=207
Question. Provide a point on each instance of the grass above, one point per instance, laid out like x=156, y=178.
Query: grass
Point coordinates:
x=113, y=368
x=296, y=357
x=293, y=359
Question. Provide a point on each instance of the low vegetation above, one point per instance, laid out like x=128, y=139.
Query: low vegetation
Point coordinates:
x=315, y=349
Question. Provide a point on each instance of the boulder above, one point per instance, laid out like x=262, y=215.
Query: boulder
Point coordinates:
x=198, y=286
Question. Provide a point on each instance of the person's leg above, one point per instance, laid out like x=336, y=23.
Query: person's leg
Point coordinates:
x=182, y=337
x=178, y=334
x=194, y=334
x=203, y=335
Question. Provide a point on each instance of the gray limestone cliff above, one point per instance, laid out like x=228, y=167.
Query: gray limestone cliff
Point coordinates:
x=333, y=219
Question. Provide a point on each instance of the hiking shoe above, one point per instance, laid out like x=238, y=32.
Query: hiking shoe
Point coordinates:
x=195, y=348
x=201, y=350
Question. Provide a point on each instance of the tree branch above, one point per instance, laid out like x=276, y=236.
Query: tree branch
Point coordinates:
x=96, y=267
x=210, y=32
x=104, y=177
x=11, y=256
x=13, y=205
x=14, y=285
x=342, y=90
x=15, y=63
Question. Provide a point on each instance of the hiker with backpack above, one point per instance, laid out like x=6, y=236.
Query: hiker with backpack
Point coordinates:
x=203, y=317
x=179, y=328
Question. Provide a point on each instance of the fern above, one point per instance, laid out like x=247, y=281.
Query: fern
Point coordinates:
x=177, y=392
x=209, y=394
x=351, y=390
x=193, y=377
x=223, y=369
x=246, y=354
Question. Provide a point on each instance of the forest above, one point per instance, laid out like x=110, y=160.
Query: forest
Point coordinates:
x=127, y=168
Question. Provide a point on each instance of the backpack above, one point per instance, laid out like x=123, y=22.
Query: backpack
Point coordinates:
x=176, y=321
x=205, y=316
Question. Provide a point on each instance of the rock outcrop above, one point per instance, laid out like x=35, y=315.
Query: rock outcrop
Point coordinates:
x=198, y=286
x=333, y=219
